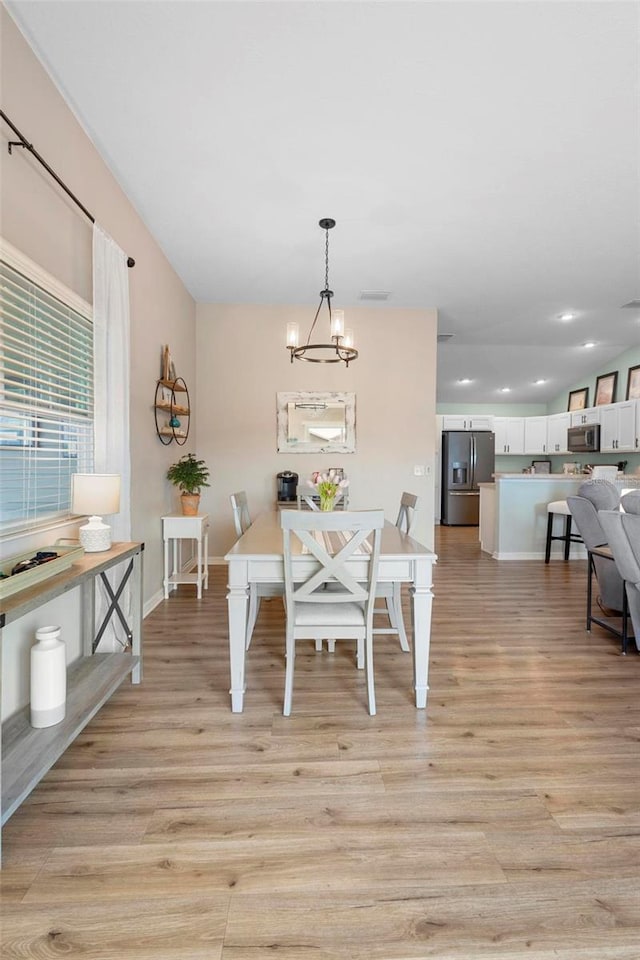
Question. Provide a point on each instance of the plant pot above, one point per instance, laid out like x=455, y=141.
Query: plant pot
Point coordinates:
x=190, y=503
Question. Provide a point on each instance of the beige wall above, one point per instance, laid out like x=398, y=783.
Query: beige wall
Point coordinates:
x=36, y=217
x=242, y=364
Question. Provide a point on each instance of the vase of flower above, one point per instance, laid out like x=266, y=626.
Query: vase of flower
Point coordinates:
x=327, y=486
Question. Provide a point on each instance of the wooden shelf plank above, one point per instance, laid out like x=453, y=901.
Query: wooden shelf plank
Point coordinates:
x=28, y=752
x=173, y=385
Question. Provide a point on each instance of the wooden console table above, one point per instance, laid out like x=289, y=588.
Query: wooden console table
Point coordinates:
x=28, y=753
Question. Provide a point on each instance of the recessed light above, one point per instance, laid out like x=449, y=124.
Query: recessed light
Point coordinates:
x=505, y=389
x=464, y=380
x=567, y=316
x=589, y=344
x=538, y=382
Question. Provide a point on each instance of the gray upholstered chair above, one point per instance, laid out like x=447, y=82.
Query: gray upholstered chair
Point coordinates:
x=622, y=528
x=592, y=496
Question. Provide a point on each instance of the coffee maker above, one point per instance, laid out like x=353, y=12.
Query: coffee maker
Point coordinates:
x=287, y=486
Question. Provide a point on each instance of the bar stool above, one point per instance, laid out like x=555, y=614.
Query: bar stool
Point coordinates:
x=560, y=507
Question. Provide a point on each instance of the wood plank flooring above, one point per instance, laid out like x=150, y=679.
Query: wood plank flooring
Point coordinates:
x=503, y=823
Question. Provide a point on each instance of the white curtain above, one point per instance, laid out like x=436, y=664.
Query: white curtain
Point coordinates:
x=111, y=385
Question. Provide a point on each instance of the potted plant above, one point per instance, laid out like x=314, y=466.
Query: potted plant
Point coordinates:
x=189, y=475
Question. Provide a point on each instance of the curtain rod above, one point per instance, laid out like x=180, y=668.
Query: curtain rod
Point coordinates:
x=23, y=142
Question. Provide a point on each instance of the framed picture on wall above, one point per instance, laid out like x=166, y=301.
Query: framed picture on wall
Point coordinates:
x=606, y=388
x=578, y=399
x=633, y=383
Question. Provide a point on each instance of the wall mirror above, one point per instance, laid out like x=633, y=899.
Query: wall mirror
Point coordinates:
x=316, y=422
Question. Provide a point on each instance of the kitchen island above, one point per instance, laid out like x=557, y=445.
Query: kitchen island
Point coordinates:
x=513, y=513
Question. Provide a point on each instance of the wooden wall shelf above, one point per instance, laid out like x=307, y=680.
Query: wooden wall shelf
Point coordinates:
x=172, y=400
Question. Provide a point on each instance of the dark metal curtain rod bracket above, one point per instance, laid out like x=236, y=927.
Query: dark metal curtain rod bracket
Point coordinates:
x=23, y=142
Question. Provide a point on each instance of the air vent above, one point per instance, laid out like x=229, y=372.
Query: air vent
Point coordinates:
x=443, y=337
x=374, y=294
x=633, y=304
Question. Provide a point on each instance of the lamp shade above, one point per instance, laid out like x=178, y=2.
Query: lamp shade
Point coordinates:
x=95, y=493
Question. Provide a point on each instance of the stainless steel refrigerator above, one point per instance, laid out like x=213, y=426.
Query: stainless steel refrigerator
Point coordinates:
x=467, y=460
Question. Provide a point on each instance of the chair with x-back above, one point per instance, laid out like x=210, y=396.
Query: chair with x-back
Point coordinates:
x=324, y=597
x=392, y=592
x=257, y=591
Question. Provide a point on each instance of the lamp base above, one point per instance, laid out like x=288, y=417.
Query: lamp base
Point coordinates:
x=95, y=535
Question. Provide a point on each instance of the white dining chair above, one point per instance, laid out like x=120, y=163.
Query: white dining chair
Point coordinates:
x=257, y=591
x=344, y=608
x=241, y=515
x=391, y=593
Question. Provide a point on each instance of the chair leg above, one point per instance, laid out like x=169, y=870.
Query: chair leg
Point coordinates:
x=547, y=552
x=252, y=616
x=567, y=536
x=288, y=674
x=360, y=657
x=399, y=624
x=371, y=693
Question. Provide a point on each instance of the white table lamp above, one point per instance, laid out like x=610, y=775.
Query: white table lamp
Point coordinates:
x=95, y=494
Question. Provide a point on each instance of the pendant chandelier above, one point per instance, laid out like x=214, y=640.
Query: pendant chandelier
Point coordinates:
x=341, y=349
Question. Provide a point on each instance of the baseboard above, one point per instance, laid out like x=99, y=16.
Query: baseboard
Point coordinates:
x=152, y=603
x=539, y=555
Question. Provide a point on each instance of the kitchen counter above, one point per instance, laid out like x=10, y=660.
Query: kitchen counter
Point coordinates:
x=513, y=513
x=542, y=476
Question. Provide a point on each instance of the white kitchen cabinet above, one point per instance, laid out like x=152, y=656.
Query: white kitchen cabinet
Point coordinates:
x=619, y=427
x=509, y=433
x=589, y=415
x=466, y=421
x=557, y=426
x=535, y=435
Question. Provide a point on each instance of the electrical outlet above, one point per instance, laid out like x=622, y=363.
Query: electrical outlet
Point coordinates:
x=418, y=470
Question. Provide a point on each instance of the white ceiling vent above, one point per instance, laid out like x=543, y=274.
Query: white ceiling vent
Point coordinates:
x=374, y=294
x=443, y=337
x=633, y=304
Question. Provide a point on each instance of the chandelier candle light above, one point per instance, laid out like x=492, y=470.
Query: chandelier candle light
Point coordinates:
x=341, y=348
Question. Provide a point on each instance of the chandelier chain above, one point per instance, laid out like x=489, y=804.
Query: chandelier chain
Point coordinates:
x=326, y=261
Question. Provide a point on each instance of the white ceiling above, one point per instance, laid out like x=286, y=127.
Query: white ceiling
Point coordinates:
x=481, y=158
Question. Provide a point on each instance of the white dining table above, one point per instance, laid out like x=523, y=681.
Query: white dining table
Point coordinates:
x=257, y=558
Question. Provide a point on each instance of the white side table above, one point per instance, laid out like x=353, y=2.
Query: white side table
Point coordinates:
x=177, y=527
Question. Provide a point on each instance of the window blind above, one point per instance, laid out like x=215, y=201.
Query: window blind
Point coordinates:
x=46, y=400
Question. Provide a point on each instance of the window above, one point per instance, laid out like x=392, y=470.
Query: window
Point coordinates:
x=46, y=394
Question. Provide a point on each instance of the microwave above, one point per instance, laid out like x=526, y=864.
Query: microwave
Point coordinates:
x=584, y=439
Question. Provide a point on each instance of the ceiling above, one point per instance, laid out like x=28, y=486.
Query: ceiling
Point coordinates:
x=480, y=158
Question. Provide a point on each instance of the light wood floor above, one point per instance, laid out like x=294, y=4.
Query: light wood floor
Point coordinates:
x=503, y=823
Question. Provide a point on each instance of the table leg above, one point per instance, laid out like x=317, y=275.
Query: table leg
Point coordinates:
x=166, y=569
x=238, y=606
x=88, y=614
x=136, y=615
x=421, y=603
x=206, y=559
x=199, y=568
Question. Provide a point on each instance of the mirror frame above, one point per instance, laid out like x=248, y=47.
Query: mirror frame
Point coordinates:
x=287, y=446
